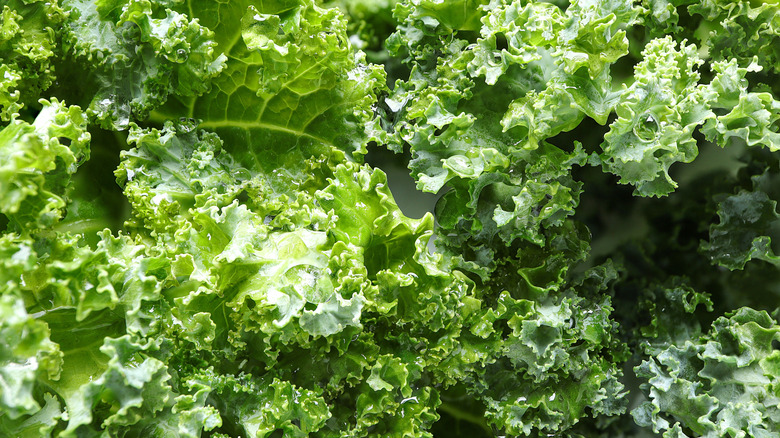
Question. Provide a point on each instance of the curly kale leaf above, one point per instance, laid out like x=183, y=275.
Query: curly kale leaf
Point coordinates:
x=718, y=384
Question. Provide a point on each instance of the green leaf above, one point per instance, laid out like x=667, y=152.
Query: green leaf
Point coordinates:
x=657, y=115
x=38, y=160
x=749, y=116
x=134, y=390
x=40, y=424
x=292, y=85
x=748, y=221
x=136, y=62
x=29, y=33
x=740, y=31
x=257, y=407
x=719, y=384
x=26, y=354
x=556, y=365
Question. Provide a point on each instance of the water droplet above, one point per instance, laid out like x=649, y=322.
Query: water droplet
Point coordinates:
x=241, y=174
x=647, y=128
x=187, y=124
x=181, y=54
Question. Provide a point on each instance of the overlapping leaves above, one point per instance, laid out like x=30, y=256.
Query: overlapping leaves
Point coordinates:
x=717, y=385
x=265, y=281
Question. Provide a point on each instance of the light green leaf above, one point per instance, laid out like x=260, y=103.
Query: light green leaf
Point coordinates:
x=37, y=161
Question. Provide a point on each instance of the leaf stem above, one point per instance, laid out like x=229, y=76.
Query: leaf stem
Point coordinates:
x=460, y=414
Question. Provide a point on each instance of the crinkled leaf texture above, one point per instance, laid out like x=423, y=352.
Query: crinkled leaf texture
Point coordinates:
x=477, y=115
x=491, y=92
x=37, y=161
x=28, y=50
x=257, y=279
x=720, y=384
x=748, y=222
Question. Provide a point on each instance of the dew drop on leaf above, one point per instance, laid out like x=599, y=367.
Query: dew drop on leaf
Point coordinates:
x=647, y=128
